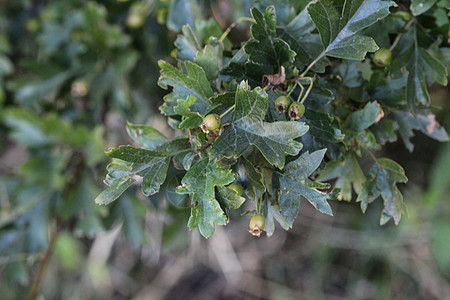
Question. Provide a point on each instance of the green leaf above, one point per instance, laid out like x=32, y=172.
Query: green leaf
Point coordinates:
x=418, y=7
x=283, y=8
x=253, y=176
x=419, y=63
x=228, y=198
x=381, y=181
x=364, y=118
x=200, y=181
x=349, y=173
x=208, y=59
x=145, y=136
x=193, y=84
x=190, y=119
x=239, y=68
x=183, y=12
x=300, y=39
x=322, y=127
x=272, y=210
x=425, y=123
x=149, y=164
x=221, y=103
x=119, y=179
x=338, y=31
x=274, y=140
x=385, y=131
x=266, y=48
x=46, y=89
x=293, y=185
x=187, y=44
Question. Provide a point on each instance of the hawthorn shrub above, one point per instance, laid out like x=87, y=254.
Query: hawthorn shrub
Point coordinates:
x=270, y=102
x=339, y=104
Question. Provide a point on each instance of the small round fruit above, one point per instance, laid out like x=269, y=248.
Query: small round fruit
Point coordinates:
x=282, y=103
x=256, y=225
x=296, y=111
x=406, y=16
x=237, y=188
x=211, y=122
x=135, y=20
x=33, y=25
x=382, y=57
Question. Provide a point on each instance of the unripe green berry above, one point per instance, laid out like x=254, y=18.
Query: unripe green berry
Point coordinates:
x=282, y=103
x=382, y=57
x=33, y=25
x=296, y=111
x=135, y=20
x=256, y=225
x=237, y=188
x=210, y=123
x=406, y=16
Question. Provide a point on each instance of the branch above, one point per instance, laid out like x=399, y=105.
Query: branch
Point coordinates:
x=43, y=265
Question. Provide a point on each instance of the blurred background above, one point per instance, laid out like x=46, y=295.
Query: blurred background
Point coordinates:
x=72, y=72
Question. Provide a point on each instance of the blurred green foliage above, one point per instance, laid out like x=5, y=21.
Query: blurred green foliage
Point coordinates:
x=71, y=73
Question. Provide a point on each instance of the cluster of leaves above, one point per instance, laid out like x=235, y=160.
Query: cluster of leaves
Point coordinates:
x=352, y=108
x=63, y=78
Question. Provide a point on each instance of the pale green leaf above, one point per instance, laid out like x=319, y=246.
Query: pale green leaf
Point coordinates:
x=200, y=181
x=194, y=83
x=348, y=174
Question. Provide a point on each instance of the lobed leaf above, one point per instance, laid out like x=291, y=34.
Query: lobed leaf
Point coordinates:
x=247, y=128
x=382, y=181
x=339, y=31
x=194, y=83
x=266, y=48
x=348, y=174
x=200, y=181
x=294, y=185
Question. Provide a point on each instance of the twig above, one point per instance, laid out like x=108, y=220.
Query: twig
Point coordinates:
x=397, y=39
x=227, y=31
x=43, y=265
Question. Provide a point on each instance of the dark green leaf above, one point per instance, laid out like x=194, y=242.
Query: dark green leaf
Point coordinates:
x=274, y=140
x=228, y=198
x=293, y=185
x=349, y=173
x=385, y=131
x=362, y=119
x=266, y=48
x=419, y=64
x=239, y=68
x=321, y=126
x=253, y=176
x=426, y=123
x=307, y=45
x=339, y=30
x=381, y=181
